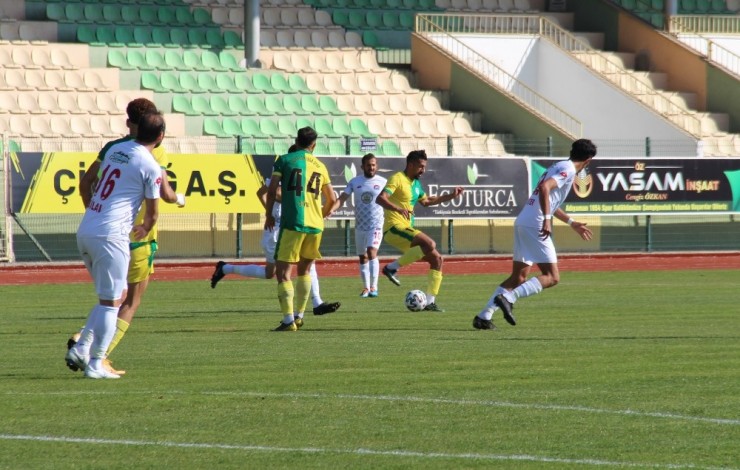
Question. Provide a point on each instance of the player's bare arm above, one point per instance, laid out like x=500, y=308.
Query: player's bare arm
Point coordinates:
x=270, y=198
x=433, y=201
x=150, y=218
x=382, y=200
x=543, y=191
x=580, y=227
x=330, y=200
x=340, y=200
x=87, y=182
x=167, y=194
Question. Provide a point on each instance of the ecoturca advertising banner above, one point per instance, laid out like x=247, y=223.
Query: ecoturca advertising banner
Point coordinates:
x=494, y=187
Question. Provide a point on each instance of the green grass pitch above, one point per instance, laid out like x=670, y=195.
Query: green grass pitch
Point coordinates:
x=607, y=370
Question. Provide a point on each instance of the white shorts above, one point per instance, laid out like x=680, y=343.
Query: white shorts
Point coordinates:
x=365, y=239
x=530, y=248
x=107, y=262
x=269, y=241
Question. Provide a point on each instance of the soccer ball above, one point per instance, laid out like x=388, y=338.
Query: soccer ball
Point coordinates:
x=416, y=300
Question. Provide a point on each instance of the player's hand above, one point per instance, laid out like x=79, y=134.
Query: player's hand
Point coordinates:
x=139, y=232
x=582, y=230
x=458, y=191
x=405, y=213
x=269, y=223
x=180, y=200
x=546, y=229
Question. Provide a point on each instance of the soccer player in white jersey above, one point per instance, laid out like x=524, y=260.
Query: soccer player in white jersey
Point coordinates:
x=532, y=236
x=129, y=175
x=368, y=221
x=269, y=242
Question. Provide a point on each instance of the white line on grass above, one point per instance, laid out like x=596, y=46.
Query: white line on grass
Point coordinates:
x=445, y=401
x=319, y=450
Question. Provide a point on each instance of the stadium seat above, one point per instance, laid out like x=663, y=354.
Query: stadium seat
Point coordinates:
x=239, y=106
x=250, y=127
x=207, y=82
x=226, y=83
x=182, y=104
x=329, y=106
x=174, y=60
x=311, y=105
x=244, y=83
x=220, y=105
x=262, y=83
x=359, y=128
x=274, y=104
x=202, y=106
x=293, y=105
x=228, y=61
x=324, y=128
x=212, y=126
x=256, y=105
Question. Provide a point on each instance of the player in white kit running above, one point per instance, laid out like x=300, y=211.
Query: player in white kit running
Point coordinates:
x=368, y=221
x=532, y=236
x=129, y=175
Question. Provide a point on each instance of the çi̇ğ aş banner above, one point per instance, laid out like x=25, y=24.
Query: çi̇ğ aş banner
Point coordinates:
x=652, y=185
x=48, y=183
x=494, y=187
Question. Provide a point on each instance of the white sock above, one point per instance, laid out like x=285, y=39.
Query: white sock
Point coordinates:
x=104, y=328
x=86, y=337
x=531, y=287
x=315, y=292
x=248, y=270
x=394, y=266
x=374, y=272
x=288, y=319
x=490, y=308
x=298, y=315
x=430, y=298
x=365, y=275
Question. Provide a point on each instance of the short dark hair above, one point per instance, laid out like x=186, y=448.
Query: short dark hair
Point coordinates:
x=582, y=150
x=416, y=155
x=367, y=157
x=151, y=125
x=292, y=148
x=306, y=136
x=137, y=108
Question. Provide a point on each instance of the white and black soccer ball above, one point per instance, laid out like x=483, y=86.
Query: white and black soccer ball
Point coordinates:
x=416, y=300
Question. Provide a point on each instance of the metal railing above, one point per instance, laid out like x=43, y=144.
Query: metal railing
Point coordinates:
x=438, y=30
x=719, y=24
x=691, y=33
x=443, y=26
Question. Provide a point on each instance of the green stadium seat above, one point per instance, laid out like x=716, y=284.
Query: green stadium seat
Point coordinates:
x=211, y=61
x=232, y=40
x=228, y=61
x=86, y=35
x=263, y=146
x=238, y=105
x=181, y=104
x=337, y=147
x=202, y=17
x=214, y=39
x=406, y=20
x=137, y=59
x=287, y=127
x=123, y=35
x=374, y=20
x=192, y=60
x=280, y=83
x=359, y=128
x=156, y=60
x=302, y=122
x=269, y=128
x=370, y=39
x=221, y=106
x=281, y=147
x=256, y=104
x=341, y=127
x=173, y=59
x=311, y=104
x=394, y=4
x=212, y=126
x=106, y=35
x=150, y=81
x=703, y=6
x=324, y=128
x=116, y=58
x=188, y=82
x=340, y=18
x=226, y=83
x=232, y=127
x=166, y=16
x=390, y=20
x=149, y=15
x=175, y=37
x=171, y=83
x=657, y=20
x=628, y=4
x=251, y=128
x=357, y=20
x=75, y=13
x=321, y=148
x=298, y=84
x=718, y=7
x=202, y=105
x=274, y=104
x=329, y=106
x=262, y=83
x=390, y=148
x=143, y=35
x=208, y=82
x=293, y=105
x=130, y=14
x=55, y=12
x=94, y=14
x=244, y=83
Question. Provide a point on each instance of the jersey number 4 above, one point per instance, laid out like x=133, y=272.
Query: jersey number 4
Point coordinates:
x=295, y=183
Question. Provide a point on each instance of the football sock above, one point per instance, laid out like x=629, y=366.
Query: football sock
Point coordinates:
x=394, y=266
x=531, y=287
x=490, y=308
x=247, y=270
x=315, y=291
x=285, y=296
x=302, y=291
x=104, y=327
x=434, y=281
x=411, y=255
x=298, y=315
x=121, y=328
x=365, y=275
x=374, y=272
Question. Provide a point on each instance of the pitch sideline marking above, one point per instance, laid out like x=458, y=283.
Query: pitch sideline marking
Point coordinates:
x=319, y=450
x=446, y=401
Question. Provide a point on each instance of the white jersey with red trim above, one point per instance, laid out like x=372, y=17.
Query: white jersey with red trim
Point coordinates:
x=563, y=172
